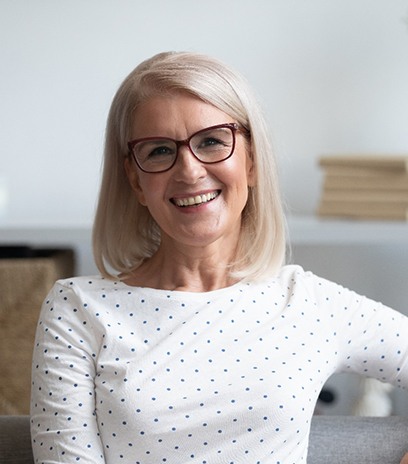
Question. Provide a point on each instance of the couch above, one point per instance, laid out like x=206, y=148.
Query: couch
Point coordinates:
x=333, y=440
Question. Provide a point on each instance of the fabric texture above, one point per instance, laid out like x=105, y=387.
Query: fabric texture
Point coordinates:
x=363, y=440
x=136, y=375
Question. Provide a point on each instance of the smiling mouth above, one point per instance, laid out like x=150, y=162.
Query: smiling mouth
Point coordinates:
x=196, y=200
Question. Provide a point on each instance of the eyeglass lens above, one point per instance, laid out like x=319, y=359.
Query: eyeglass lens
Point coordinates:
x=209, y=146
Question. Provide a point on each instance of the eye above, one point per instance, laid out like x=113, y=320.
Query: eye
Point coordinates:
x=160, y=151
x=155, y=150
x=211, y=140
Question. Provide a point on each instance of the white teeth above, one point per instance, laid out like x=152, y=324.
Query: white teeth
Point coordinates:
x=197, y=200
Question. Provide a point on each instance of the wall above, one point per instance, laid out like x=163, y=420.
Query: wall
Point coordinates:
x=332, y=77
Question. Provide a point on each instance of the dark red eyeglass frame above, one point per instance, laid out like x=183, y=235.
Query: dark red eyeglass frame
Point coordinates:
x=230, y=125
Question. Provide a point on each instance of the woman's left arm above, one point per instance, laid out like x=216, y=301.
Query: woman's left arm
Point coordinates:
x=371, y=337
x=376, y=343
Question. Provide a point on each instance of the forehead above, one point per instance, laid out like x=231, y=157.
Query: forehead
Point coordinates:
x=177, y=115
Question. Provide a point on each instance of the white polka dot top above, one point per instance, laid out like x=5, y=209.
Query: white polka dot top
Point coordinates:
x=140, y=376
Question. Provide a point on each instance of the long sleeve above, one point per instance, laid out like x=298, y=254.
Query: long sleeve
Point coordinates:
x=63, y=420
x=371, y=337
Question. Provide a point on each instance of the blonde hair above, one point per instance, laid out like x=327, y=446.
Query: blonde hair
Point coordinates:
x=124, y=232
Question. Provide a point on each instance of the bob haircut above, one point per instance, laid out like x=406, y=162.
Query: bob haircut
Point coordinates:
x=124, y=232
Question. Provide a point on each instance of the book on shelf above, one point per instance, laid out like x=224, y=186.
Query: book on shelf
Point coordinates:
x=368, y=196
x=365, y=187
x=377, y=181
x=364, y=210
x=366, y=162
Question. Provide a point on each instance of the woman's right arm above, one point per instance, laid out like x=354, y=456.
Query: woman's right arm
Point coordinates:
x=63, y=420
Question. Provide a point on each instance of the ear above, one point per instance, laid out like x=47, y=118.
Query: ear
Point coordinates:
x=133, y=178
x=251, y=171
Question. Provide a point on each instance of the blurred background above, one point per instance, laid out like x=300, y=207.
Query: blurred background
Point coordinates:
x=331, y=76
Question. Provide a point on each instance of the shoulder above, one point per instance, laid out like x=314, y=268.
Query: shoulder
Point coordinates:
x=293, y=274
x=292, y=271
x=78, y=293
x=299, y=281
x=289, y=281
x=87, y=282
x=82, y=301
x=85, y=285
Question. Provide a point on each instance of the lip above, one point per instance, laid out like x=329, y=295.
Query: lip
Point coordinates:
x=195, y=199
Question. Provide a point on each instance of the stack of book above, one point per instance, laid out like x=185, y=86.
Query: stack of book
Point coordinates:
x=365, y=187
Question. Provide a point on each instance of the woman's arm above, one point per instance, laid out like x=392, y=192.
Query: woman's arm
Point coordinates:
x=371, y=337
x=63, y=420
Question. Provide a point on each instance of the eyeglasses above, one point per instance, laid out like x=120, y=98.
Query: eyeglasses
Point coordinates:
x=210, y=145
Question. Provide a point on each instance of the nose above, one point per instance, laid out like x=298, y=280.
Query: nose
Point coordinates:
x=187, y=167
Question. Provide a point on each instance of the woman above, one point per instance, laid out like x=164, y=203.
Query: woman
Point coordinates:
x=197, y=344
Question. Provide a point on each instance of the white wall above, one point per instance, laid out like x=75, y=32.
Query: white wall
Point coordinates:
x=332, y=76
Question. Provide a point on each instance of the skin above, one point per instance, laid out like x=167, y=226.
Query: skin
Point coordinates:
x=198, y=242
x=405, y=459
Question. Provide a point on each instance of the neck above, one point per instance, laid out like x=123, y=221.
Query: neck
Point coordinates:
x=194, y=270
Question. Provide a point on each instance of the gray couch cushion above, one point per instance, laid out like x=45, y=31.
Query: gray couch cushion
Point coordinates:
x=363, y=440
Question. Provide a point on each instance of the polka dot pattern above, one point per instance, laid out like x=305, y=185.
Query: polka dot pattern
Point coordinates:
x=135, y=375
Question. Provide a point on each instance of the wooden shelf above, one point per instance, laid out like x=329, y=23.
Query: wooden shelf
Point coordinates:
x=312, y=230
x=303, y=231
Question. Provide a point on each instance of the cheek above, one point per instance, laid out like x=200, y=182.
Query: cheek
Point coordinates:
x=150, y=191
x=240, y=173
x=244, y=167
